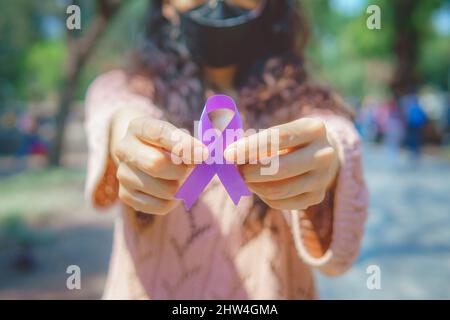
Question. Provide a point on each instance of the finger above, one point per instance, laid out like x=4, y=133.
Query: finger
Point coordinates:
x=290, y=135
x=135, y=179
x=144, y=202
x=299, y=202
x=149, y=159
x=254, y=147
x=288, y=188
x=289, y=165
x=165, y=135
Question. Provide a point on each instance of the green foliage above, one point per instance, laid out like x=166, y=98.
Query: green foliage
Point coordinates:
x=42, y=69
x=34, y=193
x=341, y=51
x=113, y=50
x=434, y=61
x=17, y=34
x=343, y=48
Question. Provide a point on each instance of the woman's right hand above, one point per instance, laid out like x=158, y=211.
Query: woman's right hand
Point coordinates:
x=151, y=165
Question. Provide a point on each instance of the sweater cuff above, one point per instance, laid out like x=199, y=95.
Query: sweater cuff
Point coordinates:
x=350, y=208
x=106, y=95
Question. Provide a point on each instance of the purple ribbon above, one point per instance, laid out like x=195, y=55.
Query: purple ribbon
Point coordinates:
x=204, y=172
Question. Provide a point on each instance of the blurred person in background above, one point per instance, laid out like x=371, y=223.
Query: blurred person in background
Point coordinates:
x=310, y=214
x=393, y=131
x=447, y=120
x=416, y=120
x=434, y=104
x=32, y=143
x=366, y=119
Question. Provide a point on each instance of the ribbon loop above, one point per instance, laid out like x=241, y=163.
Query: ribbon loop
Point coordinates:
x=204, y=172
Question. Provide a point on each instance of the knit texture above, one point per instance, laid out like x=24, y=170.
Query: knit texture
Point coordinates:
x=202, y=254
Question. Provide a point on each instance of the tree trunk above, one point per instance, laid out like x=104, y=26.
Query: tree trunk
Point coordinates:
x=79, y=51
x=66, y=97
x=405, y=47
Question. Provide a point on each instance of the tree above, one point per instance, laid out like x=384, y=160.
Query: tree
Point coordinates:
x=405, y=46
x=79, y=50
x=18, y=31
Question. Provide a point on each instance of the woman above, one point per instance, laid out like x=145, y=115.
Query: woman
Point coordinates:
x=309, y=214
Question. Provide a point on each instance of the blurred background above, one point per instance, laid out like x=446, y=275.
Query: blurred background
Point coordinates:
x=396, y=78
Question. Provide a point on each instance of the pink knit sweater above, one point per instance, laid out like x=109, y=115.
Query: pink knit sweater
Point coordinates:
x=201, y=254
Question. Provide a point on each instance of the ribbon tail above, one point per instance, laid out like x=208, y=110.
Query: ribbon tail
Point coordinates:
x=195, y=184
x=233, y=182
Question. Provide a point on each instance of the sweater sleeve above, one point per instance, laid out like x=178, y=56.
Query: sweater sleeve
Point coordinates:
x=350, y=204
x=107, y=94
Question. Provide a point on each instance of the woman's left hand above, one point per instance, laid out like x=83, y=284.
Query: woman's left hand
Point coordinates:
x=308, y=164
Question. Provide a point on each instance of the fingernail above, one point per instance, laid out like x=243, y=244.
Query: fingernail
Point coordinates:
x=200, y=154
x=205, y=153
x=230, y=153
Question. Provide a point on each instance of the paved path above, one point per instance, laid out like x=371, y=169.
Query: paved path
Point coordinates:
x=407, y=235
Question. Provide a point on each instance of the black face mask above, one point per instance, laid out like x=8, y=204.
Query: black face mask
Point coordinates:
x=218, y=34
